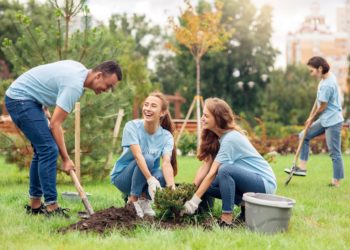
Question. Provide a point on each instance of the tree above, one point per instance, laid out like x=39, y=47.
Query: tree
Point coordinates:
x=279, y=105
x=199, y=33
x=43, y=41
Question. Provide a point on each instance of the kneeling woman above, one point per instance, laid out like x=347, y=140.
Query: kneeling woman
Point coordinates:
x=231, y=165
x=137, y=172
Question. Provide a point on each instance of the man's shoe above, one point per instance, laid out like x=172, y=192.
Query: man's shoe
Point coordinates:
x=296, y=171
x=146, y=207
x=35, y=211
x=58, y=212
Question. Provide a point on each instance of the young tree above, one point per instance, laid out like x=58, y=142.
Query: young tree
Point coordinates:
x=199, y=33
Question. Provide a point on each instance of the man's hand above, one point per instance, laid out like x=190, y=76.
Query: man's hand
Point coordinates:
x=67, y=166
x=191, y=206
x=153, y=184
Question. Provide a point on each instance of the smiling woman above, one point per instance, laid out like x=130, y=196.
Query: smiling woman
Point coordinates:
x=137, y=172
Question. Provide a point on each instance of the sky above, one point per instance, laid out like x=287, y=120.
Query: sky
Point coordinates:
x=287, y=14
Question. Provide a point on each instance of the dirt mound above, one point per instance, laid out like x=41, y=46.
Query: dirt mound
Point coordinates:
x=125, y=219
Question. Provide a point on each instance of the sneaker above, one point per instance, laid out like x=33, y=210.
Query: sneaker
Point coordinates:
x=35, y=211
x=296, y=171
x=146, y=207
x=58, y=212
x=139, y=211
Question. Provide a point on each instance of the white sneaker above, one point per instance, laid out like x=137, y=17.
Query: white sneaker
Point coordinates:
x=146, y=207
x=139, y=210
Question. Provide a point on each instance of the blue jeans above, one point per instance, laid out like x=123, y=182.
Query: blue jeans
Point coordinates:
x=131, y=180
x=31, y=120
x=333, y=140
x=231, y=182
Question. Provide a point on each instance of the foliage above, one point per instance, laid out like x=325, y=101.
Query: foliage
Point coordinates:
x=247, y=52
x=187, y=143
x=170, y=202
x=289, y=96
x=45, y=35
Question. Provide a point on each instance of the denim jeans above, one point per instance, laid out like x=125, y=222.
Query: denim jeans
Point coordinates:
x=333, y=140
x=131, y=180
x=231, y=182
x=31, y=120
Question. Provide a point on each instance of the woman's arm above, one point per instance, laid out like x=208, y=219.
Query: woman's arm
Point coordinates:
x=209, y=178
x=140, y=160
x=168, y=171
x=201, y=173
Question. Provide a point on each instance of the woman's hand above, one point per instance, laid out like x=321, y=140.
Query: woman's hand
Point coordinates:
x=191, y=206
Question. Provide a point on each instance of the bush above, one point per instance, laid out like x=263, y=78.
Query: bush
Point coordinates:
x=187, y=143
x=170, y=202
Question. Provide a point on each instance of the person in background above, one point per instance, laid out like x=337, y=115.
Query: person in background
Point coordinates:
x=326, y=118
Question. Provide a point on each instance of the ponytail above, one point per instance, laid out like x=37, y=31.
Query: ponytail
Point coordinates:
x=167, y=123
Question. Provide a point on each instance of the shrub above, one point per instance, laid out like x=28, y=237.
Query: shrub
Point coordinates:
x=170, y=202
x=187, y=143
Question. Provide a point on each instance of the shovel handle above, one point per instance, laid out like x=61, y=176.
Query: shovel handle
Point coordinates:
x=81, y=192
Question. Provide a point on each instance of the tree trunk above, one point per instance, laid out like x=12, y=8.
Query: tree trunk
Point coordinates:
x=198, y=94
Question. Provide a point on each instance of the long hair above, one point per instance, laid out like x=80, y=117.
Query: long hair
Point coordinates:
x=167, y=124
x=224, y=120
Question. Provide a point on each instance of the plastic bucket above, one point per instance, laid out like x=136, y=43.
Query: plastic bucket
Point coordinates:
x=267, y=213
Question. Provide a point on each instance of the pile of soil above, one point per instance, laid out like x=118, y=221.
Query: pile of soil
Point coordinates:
x=126, y=219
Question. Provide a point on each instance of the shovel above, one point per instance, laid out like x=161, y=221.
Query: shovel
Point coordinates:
x=82, y=193
x=295, y=160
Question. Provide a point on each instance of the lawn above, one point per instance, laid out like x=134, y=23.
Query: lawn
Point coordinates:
x=320, y=219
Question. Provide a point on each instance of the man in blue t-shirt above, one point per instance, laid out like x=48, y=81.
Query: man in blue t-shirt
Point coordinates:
x=60, y=85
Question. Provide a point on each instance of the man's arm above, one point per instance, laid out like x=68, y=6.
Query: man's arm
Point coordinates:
x=58, y=117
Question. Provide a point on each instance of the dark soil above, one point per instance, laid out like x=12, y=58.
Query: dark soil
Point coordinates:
x=125, y=219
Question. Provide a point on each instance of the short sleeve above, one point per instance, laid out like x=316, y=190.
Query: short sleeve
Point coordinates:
x=130, y=135
x=67, y=98
x=324, y=93
x=227, y=152
x=168, y=144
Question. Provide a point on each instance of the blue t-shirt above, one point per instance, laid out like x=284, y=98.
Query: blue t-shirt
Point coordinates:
x=60, y=83
x=328, y=91
x=158, y=144
x=236, y=149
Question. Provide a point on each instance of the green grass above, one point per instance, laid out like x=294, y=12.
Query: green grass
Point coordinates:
x=320, y=219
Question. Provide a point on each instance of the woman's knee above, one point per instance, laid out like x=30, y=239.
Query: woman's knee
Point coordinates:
x=224, y=170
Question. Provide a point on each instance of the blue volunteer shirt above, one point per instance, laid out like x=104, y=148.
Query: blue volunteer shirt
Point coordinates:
x=236, y=149
x=158, y=144
x=328, y=91
x=60, y=83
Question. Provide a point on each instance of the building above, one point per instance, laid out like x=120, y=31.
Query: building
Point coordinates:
x=314, y=38
x=343, y=18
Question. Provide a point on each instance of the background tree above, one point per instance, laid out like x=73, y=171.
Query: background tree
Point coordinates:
x=42, y=41
x=289, y=96
x=199, y=33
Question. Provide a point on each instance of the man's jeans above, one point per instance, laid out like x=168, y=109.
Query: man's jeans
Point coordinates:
x=231, y=182
x=131, y=180
x=30, y=118
x=333, y=139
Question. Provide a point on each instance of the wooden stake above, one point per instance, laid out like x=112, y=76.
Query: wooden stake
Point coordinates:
x=77, y=139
